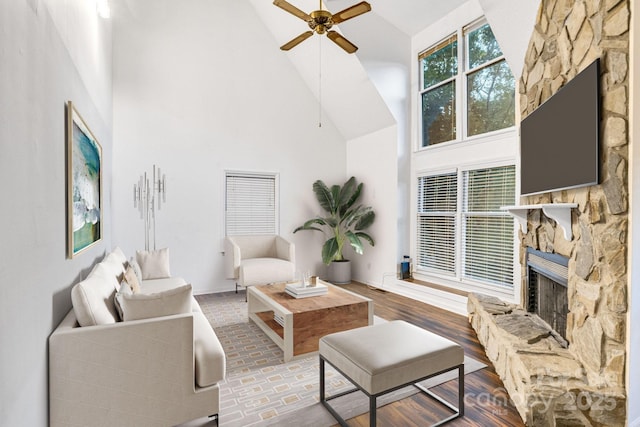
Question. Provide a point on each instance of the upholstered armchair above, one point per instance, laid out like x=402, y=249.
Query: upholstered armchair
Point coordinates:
x=259, y=260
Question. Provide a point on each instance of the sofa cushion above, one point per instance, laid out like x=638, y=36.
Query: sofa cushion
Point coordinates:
x=145, y=306
x=158, y=285
x=260, y=271
x=209, y=354
x=154, y=264
x=92, y=298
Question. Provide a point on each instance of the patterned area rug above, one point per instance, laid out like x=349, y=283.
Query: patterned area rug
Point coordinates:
x=259, y=386
x=260, y=389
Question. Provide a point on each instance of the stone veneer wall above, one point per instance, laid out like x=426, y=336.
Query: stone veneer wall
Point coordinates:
x=568, y=36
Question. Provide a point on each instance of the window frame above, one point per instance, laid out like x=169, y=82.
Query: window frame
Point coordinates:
x=438, y=214
x=459, y=281
x=457, y=79
x=465, y=214
x=461, y=79
x=256, y=175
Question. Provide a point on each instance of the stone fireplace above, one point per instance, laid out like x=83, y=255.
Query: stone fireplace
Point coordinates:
x=578, y=380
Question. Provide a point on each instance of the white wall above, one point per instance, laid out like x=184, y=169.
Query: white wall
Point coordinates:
x=38, y=75
x=371, y=159
x=198, y=94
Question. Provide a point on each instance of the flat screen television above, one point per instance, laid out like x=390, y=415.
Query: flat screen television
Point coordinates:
x=559, y=140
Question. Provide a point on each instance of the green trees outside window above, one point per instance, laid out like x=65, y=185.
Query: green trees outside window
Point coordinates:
x=489, y=102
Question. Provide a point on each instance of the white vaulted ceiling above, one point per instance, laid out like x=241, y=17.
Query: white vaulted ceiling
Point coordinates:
x=343, y=83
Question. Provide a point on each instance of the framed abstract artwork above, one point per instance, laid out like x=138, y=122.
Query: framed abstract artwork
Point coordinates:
x=84, y=185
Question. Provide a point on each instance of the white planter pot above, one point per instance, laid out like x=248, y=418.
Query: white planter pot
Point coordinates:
x=339, y=272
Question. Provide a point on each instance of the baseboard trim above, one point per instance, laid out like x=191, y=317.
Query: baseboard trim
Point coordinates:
x=454, y=303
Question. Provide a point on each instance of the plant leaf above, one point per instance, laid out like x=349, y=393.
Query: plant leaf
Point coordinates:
x=355, y=242
x=365, y=219
x=324, y=196
x=346, y=194
x=309, y=225
x=330, y=251
x=335, y=194
x=366, y=237
x=355, y=196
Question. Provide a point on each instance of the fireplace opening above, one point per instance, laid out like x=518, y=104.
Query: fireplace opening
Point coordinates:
x=546, y=294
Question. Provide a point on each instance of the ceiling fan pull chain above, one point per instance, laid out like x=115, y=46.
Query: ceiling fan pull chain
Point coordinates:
x=320, y=80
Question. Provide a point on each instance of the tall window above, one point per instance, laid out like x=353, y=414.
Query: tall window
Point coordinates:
x=459, y=213
x=439, y=75
x=460, y=101
x=437, y=208
x=251, y=203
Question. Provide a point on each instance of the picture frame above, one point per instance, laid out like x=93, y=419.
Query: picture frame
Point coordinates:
x=84, y=185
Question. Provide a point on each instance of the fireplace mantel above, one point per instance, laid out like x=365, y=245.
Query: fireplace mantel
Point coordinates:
x=559, y=212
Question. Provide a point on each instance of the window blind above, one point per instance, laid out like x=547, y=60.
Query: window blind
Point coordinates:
x=250, y=204
x=487, y=231
x=437, y=205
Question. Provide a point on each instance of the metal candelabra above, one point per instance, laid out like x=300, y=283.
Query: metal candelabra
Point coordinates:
x=145, y=196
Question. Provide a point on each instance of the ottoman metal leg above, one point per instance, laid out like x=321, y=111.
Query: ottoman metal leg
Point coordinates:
x=457, y=412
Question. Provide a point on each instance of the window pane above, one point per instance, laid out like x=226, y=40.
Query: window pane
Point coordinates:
x=250, y=204
x=488, y=231
x=483, y=46
x=437, y=205
x=490, y=99
x=439, y=114
x=489, y=189
x=488, y=249
x=436, y=243
x=440, y=65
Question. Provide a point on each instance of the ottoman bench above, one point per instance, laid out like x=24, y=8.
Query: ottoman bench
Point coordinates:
x=381, y=358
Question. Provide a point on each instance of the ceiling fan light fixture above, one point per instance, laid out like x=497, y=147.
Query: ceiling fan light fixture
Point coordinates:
x=321, y=21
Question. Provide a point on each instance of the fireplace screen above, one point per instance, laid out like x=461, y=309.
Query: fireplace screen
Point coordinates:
x=547, y=288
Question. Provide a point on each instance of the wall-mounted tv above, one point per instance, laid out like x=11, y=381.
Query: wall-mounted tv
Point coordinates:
x=559, y=140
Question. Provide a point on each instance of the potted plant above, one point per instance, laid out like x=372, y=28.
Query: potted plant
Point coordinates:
x=344, y=223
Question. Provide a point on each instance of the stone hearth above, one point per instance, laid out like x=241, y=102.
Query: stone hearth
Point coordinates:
x=545, y=381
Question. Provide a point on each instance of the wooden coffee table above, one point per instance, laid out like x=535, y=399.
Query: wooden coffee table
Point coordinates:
x=306, y=320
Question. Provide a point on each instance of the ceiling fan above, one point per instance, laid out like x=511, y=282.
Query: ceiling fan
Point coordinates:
x=320, y=21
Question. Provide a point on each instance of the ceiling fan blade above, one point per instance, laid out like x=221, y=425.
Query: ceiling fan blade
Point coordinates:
x=342, y=42
x=351, y=12
x=293, y=43
x=282, y=4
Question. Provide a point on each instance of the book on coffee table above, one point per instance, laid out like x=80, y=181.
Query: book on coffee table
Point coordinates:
x=297, y=290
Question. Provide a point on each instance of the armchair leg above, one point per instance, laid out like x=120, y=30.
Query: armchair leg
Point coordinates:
x=236, y=287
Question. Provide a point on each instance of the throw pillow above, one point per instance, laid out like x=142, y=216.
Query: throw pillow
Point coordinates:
x=131, y=279
x=125, y=288
x=121, y=256
x=154, y=264
x=136, y=268
x=92, y=298
x=146, y=306
x=115, y=265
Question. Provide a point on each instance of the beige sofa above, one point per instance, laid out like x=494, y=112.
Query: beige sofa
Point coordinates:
x=152, y=371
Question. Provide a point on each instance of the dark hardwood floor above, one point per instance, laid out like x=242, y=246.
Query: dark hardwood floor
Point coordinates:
x=486, y=401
